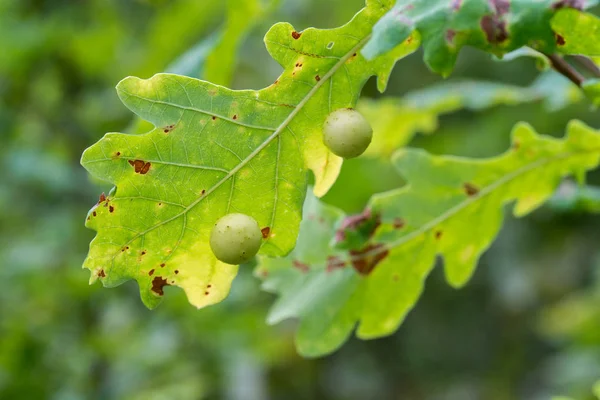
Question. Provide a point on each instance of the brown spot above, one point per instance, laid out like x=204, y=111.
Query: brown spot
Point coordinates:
x=158, y=284
x=365, y=260
x=143, y=252
x=151, y=272
x=301, y=266
x=125, y=248
x=450, y=34
x=159, y=204
x=235, y=117
x=168, y=128
x=494, y=28
x=101, y=273
x=206, y=293
x=317, y=78
x=162, y=265
x=577, y=4
x=276, y=82
x=398, y=223
x=559, y=40
x=118, y=153
x=176, y=271
x=111, y=209
x=516, y=145
x=102, y=198
x=438, y=234
x=88, y=218
x=94, y=213
x=214, y=118
x=296, y=35
x=470, y=189
x=265, y=232
x=208, y=286
x=363, y=221
x=203, y=191
x=140, y=167
x=334, y=262
x=395, y=277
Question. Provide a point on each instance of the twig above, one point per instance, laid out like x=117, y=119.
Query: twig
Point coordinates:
x=588, y=64
x=560, y=65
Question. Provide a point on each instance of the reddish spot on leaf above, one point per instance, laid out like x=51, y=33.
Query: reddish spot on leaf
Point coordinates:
x=94, y=213
x=158, y=284
x=151, y=272
x=296, y=35
x=102, y=198
x=208, y=286
x=101, y=273
x=560, y=40
x=162, y=265
x=355, y=222
x=301, y=266
x=470, y=189
x=203, y=191
x=365, y=260
x=168, y=128
x=450, y=33
x=398, y=223
x=140, y=167
x=494, y=28
x=235, y=117
x=111, y=209
x=317, y=78
x=206, y=293
x=438, y=234
x=265, y=232
x=118, y=153
x=334, y=262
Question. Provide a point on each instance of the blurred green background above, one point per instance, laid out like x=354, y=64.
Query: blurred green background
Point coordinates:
x=526, y=327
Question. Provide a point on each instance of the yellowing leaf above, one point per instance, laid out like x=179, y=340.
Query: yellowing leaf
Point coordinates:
x=214, y=151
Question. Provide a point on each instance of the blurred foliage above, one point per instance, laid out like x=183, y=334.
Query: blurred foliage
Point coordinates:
x=504, y=336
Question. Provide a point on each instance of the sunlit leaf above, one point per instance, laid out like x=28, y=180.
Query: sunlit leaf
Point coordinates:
x=215, y=151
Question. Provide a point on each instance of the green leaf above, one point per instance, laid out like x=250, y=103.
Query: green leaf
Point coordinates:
x=596, y=389
x=496, y=26
x=591, y=88
x=215, y=151
x=451, y=207
x=577, y=32
x=395, y=121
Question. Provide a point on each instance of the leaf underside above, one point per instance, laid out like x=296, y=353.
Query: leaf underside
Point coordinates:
x=214, y=151
x=451, y=207
x=495, y=26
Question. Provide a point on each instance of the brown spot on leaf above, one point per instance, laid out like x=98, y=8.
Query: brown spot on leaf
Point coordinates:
x=577, y=4
x=560, y=40
x=176, y=271
x=111, y=209
x=168, y=128
x=296, y=35
x=118, y=153
x=398, y=223
x=470, y=189
x=208, y=286
x=101, y=273
x=450, y=34
x=317, y=78
x=356, y=222
x=206, y=293
x=265, y=232
x=140, y=167
x=334, y=262
x=494, y=28
x=162, y=265
x=125, y=248
x=438, y=234
x=94, y=213
x=203, y=191
x=395, y=277
x=214, y=118
x=151, y=272
x=102, y=198
x=158, y=284
x=143, y=252
x=301, y=266
x=235, y=117
x=365, y=260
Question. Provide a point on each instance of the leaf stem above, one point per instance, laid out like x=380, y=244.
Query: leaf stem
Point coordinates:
x=564, y=68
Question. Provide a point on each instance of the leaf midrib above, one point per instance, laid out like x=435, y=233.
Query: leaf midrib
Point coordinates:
x=467, y=202
x=263, y=145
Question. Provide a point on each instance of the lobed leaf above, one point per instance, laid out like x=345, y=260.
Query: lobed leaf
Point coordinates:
x=451, y=207
x=496, y=26
x=214, y=150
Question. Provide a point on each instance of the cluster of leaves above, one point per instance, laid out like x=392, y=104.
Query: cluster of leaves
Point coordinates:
x=211, y=151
